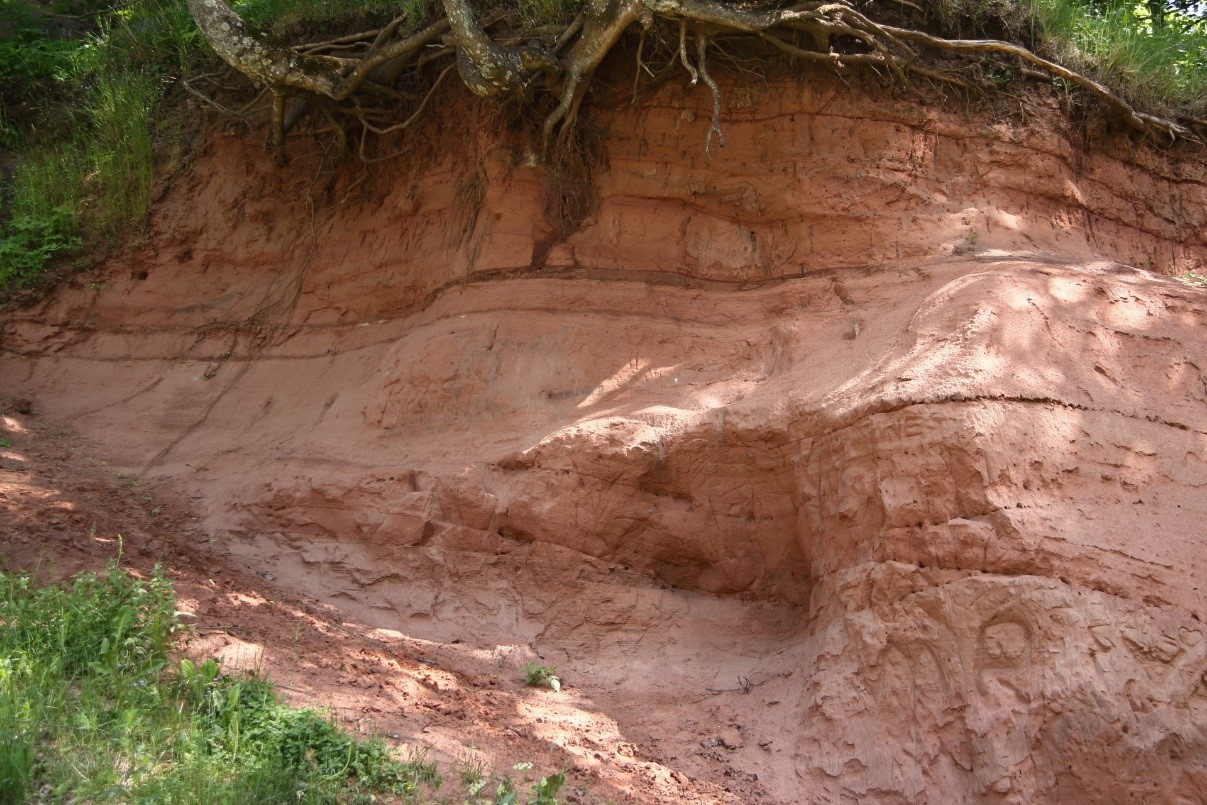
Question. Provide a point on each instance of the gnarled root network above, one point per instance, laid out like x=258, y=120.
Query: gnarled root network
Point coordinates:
x=385, y=77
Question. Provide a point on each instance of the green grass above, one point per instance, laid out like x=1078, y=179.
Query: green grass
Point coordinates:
x=121, y=166
x=1162, y=71
x=95, y=184
x=1165, y=70
x=92, y=710
x=85, y=153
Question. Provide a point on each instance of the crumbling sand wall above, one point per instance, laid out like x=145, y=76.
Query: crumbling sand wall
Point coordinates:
x=881, y=411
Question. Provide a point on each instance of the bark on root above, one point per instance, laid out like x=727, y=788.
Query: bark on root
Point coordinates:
x=358, y=76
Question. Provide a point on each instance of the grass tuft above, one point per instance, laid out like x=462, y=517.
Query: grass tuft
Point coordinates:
x=122, y=166
x=95, y=184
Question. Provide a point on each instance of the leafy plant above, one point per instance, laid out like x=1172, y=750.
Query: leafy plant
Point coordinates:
x=545, y=790
x=29, y=242
x=541, y=676
x=505, y=793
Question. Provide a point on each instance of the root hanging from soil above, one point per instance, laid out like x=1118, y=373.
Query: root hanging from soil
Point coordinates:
x=383, y=79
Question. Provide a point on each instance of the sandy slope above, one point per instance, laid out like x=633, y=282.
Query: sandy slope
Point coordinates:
x=860, y=462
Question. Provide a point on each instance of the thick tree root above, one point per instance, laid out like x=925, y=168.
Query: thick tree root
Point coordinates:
x=357, y=76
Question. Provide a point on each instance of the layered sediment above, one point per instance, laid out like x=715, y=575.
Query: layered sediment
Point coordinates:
x=880, y=437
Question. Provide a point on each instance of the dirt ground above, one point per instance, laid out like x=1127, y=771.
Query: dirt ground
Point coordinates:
x=63, y=510
x=864, y=462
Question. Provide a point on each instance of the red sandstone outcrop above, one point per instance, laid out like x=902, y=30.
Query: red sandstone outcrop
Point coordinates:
x=874, y=439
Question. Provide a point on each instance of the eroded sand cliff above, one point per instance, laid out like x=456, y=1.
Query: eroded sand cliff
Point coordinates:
x=879, y=439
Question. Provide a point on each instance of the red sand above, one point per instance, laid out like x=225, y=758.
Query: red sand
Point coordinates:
x=859, y=463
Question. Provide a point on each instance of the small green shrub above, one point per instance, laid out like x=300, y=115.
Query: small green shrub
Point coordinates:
x=543, y=792
x=28, y=243
x=541, y=676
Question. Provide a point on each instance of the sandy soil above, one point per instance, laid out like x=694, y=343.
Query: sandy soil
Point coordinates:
x=63, y=510
x=864, y=462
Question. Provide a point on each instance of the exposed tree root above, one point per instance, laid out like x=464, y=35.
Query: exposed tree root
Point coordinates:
x=714, y=127
x=380, y=78
x=1150, y=125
